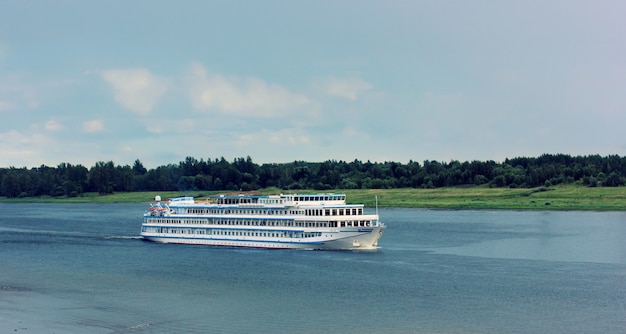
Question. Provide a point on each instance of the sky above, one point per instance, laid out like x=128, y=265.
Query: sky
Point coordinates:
x=280, y=81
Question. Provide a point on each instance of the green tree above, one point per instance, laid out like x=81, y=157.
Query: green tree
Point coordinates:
x=10, y=184
x=613, y=180
x=102, y=177
x=138, y=168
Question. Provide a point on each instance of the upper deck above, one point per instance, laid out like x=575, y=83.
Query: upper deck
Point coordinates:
x=330, y=207
x=282, y=200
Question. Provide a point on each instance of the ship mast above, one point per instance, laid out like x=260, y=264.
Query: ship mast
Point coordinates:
x=377, y=205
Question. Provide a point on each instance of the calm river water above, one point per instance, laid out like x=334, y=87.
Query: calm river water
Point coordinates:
x=80, y=268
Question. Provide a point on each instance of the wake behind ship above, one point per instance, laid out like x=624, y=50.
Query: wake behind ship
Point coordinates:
x=294, y=221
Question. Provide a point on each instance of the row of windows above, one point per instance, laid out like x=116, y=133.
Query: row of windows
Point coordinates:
x=236, y=200
x=205, y=211
x=334, y=212
x=177, y=221
x=271, y=201
x=217, y=232
x=308, y=212
x=258, y=222
x=320, y=198
x=281, y=200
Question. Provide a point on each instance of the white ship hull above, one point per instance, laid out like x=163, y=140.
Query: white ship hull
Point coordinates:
x=338, y=240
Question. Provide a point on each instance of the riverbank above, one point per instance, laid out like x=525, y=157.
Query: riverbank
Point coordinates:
x=567, y=197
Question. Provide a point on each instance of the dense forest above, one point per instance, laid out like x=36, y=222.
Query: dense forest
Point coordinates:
x=242, y=174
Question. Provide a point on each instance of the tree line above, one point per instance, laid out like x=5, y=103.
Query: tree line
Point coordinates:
x=242, y=174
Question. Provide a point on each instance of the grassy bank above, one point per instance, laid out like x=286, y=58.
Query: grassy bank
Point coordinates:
x=553, y=198
x=570, y=197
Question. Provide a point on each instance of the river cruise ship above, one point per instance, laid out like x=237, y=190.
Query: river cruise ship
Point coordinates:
x=294, y=221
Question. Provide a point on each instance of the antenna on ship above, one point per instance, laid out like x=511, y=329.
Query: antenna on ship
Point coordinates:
x=376, y=204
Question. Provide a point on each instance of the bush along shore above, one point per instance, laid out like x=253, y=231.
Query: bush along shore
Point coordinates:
x=562, y=197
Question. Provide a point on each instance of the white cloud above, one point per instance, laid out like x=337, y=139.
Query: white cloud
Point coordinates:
x=5, y=106
x=53, y=125
x=14, y=137
x=350, y=131
x=14, y=154
x=17, y=147
x=249, y=97
x=285, y=137
x=349, y=88
x=184, y=126
x=16, y=94
x=93, y=126
x=137, y=90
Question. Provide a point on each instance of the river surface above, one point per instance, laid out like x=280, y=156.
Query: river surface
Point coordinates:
x=80, y=268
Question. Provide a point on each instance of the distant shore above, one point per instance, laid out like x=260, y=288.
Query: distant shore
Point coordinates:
x=563, y=197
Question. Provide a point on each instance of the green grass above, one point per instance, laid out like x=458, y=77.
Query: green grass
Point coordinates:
x=554, y=198
x=130, y=197
x=567, y=197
